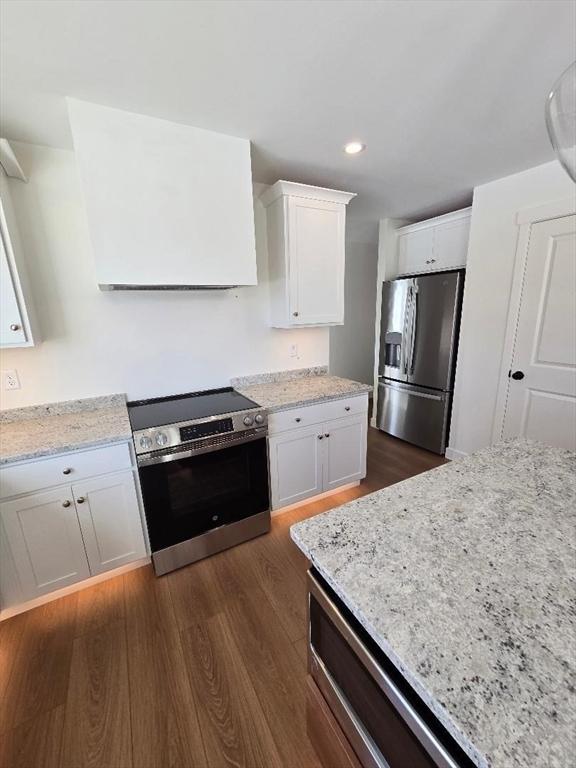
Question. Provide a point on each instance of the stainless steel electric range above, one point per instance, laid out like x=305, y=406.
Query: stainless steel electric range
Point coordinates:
x=203, y=466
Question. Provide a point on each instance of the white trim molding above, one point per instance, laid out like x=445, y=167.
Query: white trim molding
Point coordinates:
x=453, y=453
x=553, y=210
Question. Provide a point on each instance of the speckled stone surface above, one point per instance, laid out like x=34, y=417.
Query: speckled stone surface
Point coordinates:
x=283, y=394
x=276, y=376
x=43, y=430
x=466, y=578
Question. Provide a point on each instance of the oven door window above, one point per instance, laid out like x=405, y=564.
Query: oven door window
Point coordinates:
x=187, y=497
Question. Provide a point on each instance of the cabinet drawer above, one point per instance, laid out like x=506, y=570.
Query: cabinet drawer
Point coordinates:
x=65, y=468
x=306, y=415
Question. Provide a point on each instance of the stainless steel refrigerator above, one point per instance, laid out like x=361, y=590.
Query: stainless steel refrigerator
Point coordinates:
x=419, y=329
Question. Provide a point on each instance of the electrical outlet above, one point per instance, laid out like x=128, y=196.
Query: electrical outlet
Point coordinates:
x=293, y=350
x=10, y=379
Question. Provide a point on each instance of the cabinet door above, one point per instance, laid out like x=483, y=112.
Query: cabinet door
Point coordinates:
x=345, y=451
x=110, y=521
x=316, y=261
x=12, y=331
x=451, y=244
x=415, y=251
x=45, y=541
x=295, y=465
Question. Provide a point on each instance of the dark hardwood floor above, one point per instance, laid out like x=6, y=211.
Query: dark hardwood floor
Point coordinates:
x=204, y=667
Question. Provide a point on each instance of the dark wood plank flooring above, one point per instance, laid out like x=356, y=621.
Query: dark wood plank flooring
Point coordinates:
x=202, y=668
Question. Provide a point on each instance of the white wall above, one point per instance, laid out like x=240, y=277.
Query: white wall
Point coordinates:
x=352, y=344
x=490, y=268
x=141, y=343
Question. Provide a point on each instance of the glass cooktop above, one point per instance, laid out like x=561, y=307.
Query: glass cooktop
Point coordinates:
x=161, y=411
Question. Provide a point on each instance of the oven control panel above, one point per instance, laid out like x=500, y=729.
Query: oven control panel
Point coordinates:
x=205, y=429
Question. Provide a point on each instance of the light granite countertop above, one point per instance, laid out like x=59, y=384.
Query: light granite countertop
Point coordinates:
x=465, y=576
x=44, y=430
x=290, y=389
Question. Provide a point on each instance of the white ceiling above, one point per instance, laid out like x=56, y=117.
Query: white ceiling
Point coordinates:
x=447, y=94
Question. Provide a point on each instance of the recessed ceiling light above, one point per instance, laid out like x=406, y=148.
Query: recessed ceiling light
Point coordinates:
x=354, y=147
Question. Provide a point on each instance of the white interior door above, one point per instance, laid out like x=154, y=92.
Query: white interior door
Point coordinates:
x=316, y=247
x=541, y=404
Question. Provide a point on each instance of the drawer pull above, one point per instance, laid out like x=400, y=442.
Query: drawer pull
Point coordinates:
x=80, y=500
x=346, y=407
x=66, y=503
x=298, y=419
x=66, y=471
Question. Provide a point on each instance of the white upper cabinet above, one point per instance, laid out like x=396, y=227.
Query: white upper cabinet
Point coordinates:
x=168, y=205
x=306, y=231
x=434, y=245
x=16, y=318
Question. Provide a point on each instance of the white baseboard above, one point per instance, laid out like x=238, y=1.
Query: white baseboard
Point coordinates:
x=311, y=499
x=14, y=610
x=453, y=453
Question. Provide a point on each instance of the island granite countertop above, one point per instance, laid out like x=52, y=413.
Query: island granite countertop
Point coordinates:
x=290, y=389
x=43, y=430
x=465, y=576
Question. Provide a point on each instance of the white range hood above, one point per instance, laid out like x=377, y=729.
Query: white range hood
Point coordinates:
x=169, y=206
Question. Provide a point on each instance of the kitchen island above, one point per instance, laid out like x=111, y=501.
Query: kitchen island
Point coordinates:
x=465, y=578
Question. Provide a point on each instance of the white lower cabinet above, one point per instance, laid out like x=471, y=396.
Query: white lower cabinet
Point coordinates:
x=295, y=466
x=110, y=521
x=45, y=540
x=55, y=538
x=312, y=459
x=345, y=452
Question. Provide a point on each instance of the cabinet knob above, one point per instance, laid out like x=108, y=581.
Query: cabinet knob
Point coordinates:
x=15, y=327
x=432, y=261
x=298, y=419
x=327, y=434
x=346, y=407
x=427, y=261
x=80, y=500
x=66, y=471
x=66, y=503
x=320, y=437
x=295, y=314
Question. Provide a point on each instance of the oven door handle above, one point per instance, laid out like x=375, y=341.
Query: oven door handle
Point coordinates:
x=160, y=457
x=402, y=706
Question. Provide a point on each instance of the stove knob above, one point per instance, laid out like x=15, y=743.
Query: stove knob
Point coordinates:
x=145, y=443
x=259, y=418
x=248, y=421
x=161, y=439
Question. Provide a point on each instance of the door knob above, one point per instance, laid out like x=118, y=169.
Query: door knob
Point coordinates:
x=80, y=500
x=517, y=375
x=66, y=503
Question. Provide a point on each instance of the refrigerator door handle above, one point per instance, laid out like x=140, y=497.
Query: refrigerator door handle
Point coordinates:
x=407, y=315
x=413, y=330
